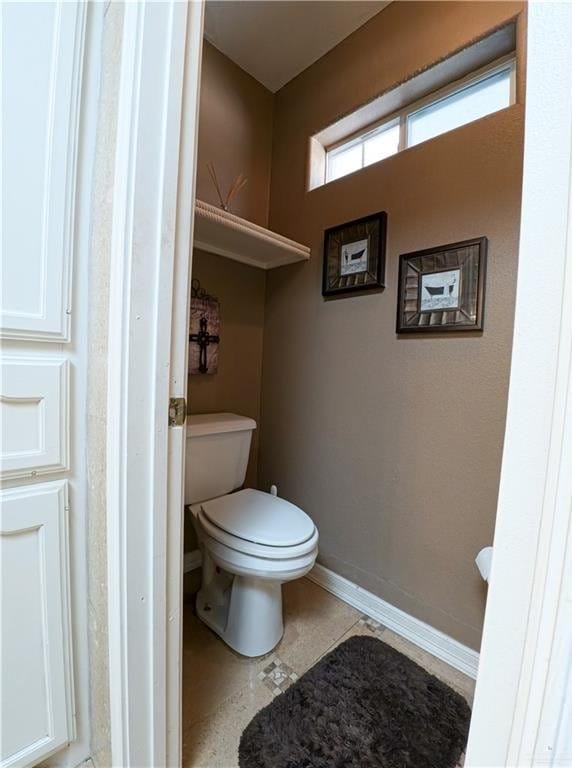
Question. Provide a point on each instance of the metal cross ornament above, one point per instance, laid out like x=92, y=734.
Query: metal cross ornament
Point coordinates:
x=204, y=331
x=203, y=338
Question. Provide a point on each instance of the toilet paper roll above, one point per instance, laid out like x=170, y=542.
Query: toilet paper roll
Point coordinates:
x=483, y=561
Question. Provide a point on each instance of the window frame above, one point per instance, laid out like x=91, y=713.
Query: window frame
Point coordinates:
x=401, y=116
x=361, y=139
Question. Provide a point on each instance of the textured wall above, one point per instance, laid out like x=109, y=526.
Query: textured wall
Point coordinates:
x=235, y=133
x=393, y=445
x=99, y=274
x=237, y=385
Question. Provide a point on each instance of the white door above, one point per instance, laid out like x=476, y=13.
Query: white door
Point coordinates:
x=42, y=518
x=37, y=711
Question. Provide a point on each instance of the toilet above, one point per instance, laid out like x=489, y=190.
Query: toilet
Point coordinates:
x=251, y=542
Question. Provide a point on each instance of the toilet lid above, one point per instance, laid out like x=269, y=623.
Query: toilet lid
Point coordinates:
x=260, y=517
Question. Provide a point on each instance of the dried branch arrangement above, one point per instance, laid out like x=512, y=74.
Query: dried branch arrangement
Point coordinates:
x=238, y=184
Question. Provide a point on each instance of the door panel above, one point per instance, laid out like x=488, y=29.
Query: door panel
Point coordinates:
x=47, y=74
x=41, y=47
x=34, y=415
x=36, y=665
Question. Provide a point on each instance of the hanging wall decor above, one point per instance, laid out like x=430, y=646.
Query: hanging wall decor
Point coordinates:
x=354, y=256
x=205, y=329
x=443, y=288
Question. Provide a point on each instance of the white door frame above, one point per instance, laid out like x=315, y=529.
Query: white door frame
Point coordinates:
x=153, y=210
x=524, y=685
x=524, y=682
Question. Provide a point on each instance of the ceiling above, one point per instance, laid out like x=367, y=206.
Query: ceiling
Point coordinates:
x=275, y=40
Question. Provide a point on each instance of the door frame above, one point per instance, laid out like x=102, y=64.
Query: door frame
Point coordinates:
x=524, y=683
x=153, y=212
x=527, y=640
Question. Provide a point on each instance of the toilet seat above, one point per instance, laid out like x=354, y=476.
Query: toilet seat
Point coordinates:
x=259, y=518
x=289, y=566
x=244, y=546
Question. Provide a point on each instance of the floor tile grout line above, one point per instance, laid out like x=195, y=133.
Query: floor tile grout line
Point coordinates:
x=250, y=685
x=335, y=642
x=257, y=682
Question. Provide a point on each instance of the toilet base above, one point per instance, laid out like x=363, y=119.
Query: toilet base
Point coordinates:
x=244, y=611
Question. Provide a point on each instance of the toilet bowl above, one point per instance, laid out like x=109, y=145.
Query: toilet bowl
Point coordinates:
x=252, y=542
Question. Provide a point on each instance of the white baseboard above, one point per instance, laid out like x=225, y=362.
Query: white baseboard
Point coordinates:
x=423, y=635
x=192, y=560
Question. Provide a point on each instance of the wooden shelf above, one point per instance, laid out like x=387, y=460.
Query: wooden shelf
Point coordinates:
x=225, y=234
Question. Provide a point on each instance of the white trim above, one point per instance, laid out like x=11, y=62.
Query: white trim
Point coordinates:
x=523, y=698
x=178, y=381
x=192, y=560
x=144, y=508
x=504, y=64
x=416, y=631
x=117, y=492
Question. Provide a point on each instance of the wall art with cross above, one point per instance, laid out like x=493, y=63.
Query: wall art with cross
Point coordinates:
x=204, y=334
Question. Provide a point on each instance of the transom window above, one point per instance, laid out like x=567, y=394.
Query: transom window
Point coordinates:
x=483, y=92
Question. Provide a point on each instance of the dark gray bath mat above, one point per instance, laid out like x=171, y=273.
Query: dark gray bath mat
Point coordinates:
x=364, y=705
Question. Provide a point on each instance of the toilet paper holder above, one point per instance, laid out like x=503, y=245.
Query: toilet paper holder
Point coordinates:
x=483, y=561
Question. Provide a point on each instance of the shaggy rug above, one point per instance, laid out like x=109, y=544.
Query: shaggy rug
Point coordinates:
x=364, y=705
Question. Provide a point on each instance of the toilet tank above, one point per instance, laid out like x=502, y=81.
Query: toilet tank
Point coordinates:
x=218, y=446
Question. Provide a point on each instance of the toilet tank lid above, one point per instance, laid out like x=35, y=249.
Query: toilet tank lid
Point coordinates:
x=201, y=424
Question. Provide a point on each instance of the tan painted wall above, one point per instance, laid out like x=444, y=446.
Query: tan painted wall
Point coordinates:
x=393, y=445
x=235, y=133
x=237, y=385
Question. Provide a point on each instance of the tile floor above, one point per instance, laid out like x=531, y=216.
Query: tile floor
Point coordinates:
x=222, y=691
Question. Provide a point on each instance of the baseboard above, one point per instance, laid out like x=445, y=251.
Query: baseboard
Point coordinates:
x=423, y=635
x=192, y=560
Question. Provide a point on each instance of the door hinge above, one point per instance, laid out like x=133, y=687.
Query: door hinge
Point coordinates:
x=177, y=411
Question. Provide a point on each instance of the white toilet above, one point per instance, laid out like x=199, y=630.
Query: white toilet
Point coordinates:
x=251, y=541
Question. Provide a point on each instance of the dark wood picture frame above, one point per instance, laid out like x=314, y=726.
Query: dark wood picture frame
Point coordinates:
x=361, y=241
x=442, y=289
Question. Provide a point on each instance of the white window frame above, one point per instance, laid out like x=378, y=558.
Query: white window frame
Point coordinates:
x=361, y=140
x=401, y=117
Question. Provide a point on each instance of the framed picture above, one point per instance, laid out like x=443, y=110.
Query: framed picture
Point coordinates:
x=354, y=256
x=443, y=288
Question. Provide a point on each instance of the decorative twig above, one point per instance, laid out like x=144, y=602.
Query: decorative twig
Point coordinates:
x=212, y=173
x=235, y=188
